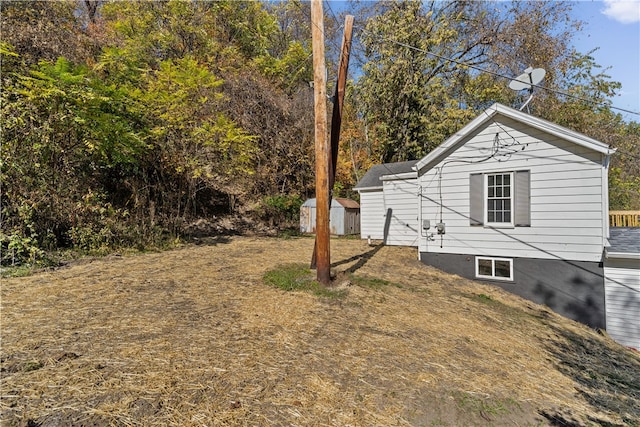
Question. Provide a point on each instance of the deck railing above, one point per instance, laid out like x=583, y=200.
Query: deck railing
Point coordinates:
x=624, y=218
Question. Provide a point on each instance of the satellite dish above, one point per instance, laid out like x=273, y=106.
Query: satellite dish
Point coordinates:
x=528, y=80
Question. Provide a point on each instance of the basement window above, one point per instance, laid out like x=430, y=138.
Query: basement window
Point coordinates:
x=494, y=268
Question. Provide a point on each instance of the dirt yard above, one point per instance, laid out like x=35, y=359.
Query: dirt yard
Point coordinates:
x=193, y=337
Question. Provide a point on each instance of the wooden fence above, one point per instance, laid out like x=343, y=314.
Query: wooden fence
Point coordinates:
x=624, y=218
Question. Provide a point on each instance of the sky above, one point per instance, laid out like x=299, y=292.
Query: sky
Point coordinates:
x=613, y=26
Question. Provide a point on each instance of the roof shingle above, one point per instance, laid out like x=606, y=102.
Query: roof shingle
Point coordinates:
x=624, y=240
x=372, y=178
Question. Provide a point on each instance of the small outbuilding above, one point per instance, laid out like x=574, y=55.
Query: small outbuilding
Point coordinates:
x=344, y=217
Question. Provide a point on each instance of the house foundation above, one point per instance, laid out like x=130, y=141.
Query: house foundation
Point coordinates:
x=574, y=289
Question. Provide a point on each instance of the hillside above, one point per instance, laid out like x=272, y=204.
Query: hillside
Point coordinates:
x=194, y=337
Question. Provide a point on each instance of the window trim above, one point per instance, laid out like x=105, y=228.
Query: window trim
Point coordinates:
x=493, y=268
x=511, y=223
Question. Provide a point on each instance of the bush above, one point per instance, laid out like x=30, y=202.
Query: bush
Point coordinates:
x=282, y=210
x=19, y=241
x=16, y=249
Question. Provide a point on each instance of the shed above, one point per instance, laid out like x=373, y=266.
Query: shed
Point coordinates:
x=622, y=286
x=389, y=207
x=344, y=217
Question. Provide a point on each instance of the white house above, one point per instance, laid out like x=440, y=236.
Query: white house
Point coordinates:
x=517, y=201
x=523, y=203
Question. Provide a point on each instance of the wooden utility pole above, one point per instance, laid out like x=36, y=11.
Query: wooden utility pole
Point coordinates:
x=323, y=153
x=338, y=101
x=336, y=118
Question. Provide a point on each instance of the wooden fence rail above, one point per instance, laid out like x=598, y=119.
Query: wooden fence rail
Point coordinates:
x=624, y=218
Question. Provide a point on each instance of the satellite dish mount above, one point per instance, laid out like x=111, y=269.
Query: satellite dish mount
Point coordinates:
x=527, y=80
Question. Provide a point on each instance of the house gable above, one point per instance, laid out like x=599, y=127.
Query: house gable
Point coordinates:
x=489, y=116
x=549, y=196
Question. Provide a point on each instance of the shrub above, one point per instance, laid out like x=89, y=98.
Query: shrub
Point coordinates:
x=282, y=210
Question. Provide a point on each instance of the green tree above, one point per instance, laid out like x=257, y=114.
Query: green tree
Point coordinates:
x=195, y=144
x=253, y=49
x=224, y=33
x=422, y=81
x=65, y=135
x=46, y=30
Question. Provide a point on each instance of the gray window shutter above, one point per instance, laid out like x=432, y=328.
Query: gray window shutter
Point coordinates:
x=522, y=216
x=476, y=199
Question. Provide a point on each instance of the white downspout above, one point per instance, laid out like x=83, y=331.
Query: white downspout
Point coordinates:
x=605, y=196
x=419, y=217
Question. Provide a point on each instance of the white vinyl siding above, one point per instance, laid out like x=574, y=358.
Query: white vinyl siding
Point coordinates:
x=622, y=300
x=372, y=214
x=566, y=200
x=401, y=203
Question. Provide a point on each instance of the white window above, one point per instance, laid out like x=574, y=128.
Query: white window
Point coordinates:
x=499, y=201
x=494, y=268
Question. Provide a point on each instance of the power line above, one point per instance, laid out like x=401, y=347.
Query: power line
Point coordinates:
x=483, y=70
x=475, y=67
x=335, y=18
x=330, y=39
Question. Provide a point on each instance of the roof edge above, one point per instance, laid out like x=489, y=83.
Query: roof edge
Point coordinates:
x=367, y=188
x=392, y=177
x=623, y=255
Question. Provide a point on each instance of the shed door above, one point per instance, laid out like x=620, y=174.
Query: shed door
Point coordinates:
x=353, y=221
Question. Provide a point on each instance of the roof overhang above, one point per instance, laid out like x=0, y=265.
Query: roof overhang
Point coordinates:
x=365, y=189
x=393, y=177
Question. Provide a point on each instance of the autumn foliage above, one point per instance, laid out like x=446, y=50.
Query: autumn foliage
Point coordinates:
x=125, y=122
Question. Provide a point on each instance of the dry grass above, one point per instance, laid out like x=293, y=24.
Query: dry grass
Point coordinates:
x=193, y=337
